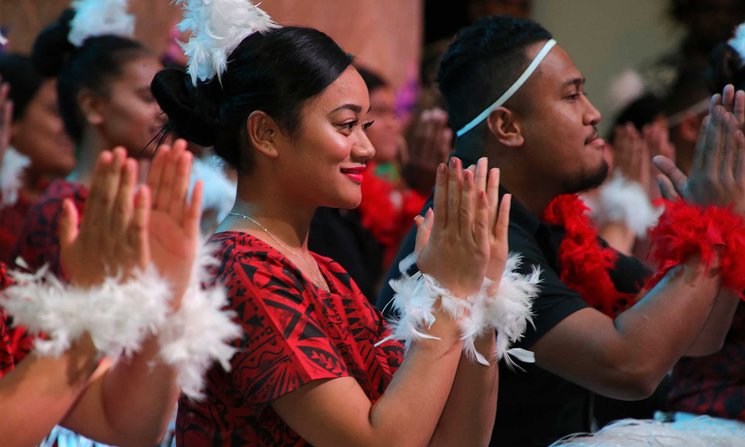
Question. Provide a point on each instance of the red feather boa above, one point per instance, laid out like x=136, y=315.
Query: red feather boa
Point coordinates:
x=683, y=230
x=583, y=261
x=710, y=232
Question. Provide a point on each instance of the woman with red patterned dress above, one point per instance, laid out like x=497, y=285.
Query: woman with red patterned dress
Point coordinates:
x=317, y=365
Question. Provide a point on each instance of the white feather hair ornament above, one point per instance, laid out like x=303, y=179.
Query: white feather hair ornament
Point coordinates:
x=98, y=18
x=217, y=28
x=738, y=42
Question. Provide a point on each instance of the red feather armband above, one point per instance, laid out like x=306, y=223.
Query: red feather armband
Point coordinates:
x=710, y=232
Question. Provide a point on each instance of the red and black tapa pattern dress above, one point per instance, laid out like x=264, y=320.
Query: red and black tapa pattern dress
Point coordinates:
x=294, y=333
x=38, y=244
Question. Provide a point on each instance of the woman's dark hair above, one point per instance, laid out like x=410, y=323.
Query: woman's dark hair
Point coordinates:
x=275, y=72
x=24, y=81
x=91, y=66
x=725, y=67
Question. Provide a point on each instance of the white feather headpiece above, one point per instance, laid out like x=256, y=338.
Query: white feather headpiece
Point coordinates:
x=98, y=18
x=217, y=28
x=738, y=42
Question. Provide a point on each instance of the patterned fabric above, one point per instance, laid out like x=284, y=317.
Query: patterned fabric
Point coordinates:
x=12, y=218
x=38, y=244
x=294, y=333
x=715, y=384
x=15, y=342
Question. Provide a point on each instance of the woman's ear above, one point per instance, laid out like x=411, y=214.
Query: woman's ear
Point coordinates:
x=263, y=133
x=90, y=106
x=505, y=127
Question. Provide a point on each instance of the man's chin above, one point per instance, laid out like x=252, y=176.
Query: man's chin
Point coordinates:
x=588, y=181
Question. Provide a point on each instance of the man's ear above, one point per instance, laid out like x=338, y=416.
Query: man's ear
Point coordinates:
x=263, y=133
x=91, y=106
x=505, y=127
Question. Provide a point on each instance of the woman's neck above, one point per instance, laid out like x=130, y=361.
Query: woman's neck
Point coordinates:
x=264, y=213
x=87, y=151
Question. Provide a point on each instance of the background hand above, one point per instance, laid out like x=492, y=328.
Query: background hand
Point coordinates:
x=717, y=173
x=631, y=155
x=174, y=220
x=112, y=237
x=428, y=144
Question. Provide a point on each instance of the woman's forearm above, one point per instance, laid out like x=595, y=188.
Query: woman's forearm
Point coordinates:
x=41, y=390
x=468, y=417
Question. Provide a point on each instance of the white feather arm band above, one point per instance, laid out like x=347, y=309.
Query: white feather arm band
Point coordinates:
x=11, y=175
x=199, y=332
x=623, y=200
x=98, y=18
x=118, y=316
x=415, y=300
x=505, y=309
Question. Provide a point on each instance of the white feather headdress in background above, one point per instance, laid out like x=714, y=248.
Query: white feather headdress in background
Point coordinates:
x=738, y=43
x=98, y=18
x=3, y=39
x=217, y=28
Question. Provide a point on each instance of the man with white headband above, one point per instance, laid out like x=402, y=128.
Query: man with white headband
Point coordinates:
x=516, y=97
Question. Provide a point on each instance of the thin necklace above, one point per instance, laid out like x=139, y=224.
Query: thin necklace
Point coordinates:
x=315, y=273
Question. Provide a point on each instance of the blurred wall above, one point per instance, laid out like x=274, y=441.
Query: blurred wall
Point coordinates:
x=385, y=35
x=604, y=37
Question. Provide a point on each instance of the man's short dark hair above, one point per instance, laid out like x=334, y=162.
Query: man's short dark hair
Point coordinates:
x=483, y=61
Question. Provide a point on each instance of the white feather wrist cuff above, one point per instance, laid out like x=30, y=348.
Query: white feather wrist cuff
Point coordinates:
x=504, y=308
x=623, y=200
x=198, y=333
x=120, y=316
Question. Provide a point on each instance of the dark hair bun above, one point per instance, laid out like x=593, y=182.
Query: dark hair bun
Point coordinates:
x=192, y=113
x=51, y=48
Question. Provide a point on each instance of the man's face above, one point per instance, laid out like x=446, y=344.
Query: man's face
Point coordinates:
x=559, y=125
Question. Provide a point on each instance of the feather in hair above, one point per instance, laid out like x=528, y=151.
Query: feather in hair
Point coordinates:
x=217, y=28
x=98, y=18
x=738, y=42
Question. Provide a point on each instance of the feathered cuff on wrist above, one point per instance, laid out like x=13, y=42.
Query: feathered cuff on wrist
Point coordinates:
x=504, y=307
x=624, y=200
x=686, y=230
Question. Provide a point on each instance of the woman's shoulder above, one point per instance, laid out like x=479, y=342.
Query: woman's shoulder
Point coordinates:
x=248, y=259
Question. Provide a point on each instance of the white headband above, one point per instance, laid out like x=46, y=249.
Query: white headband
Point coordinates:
x=510, y=91
x=99, y=18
